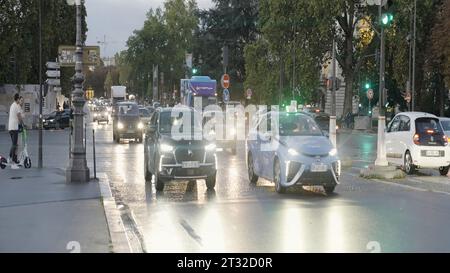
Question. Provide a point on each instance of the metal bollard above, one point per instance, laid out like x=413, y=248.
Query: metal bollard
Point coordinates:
x=93, y=148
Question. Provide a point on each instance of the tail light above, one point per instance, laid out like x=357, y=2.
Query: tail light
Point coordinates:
x=430, y=131
x=445, y=140
x=416, y=139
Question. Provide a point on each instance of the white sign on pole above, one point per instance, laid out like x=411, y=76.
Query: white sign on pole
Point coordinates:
x=189, y=60
x=53, y=82
x=52, y=65
x=53, y=73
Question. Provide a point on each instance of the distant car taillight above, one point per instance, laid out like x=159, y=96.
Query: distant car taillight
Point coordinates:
x=416, y=139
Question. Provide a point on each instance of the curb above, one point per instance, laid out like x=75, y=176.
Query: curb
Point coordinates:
x=119, y=238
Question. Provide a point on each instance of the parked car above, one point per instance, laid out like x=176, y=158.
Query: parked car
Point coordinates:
x=127, y=123
x=57, y=120
x=228, y=139
x=169, y=157
x=416, y=140
x=294, y=152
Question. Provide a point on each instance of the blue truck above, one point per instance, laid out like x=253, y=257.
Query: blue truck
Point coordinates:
x=198, y=86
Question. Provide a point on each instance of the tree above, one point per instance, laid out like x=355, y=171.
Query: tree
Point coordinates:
x=19, y=46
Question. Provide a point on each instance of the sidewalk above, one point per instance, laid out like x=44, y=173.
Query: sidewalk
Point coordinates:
x=40, y=212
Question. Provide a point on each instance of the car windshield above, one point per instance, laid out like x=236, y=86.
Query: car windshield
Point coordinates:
x=446, y=124
x=423, y=125
x=298, y=125
x=167, y=121
x=128, y=109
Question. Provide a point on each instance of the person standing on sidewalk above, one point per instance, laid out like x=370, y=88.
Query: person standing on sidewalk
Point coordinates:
x=15, y=118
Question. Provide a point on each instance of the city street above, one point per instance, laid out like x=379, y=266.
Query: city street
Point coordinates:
x=406, y=215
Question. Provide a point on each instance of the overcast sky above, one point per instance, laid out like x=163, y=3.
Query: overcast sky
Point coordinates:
x=117, y=19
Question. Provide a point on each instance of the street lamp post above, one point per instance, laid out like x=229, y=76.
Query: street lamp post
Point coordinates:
x=381, y=144
x=77, y=171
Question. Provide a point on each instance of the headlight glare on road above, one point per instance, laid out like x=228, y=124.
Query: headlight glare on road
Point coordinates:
x=120, y=125
x=166, y=148
x=333, y=152
x=140, y=125
x=292, y=152
x=210, y=147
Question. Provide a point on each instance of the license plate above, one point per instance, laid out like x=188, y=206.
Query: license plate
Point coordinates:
x=318, y=168
x=190, y=164
x=432, y=153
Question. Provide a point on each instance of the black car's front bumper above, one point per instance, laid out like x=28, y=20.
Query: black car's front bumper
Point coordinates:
x=171, y=169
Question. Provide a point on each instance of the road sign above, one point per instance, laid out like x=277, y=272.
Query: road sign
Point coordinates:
x=56, y=82
x=91, y=55
x=225, y=81
x=52, y=65
x=370, y=94
x=249, y=93
x=226, y=95
x=53, y=73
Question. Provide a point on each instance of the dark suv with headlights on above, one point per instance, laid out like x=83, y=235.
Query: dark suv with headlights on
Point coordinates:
x=174, y=148
x=126, y=122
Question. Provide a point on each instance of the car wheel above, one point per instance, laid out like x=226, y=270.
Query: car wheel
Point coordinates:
x=98, y=122
x=211, y=182
x=444, y=170
x=57, y=126
x=251, y=170
x=277, y=177
x=117, y=139
x=329, y=189
x=148, y=175
x=3, y=163
x=409, y=167
x=159, y=184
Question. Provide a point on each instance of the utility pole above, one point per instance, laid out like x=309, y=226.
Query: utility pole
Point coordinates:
x=381, y=144
x=333, y=98
x=77, y=171
x=40, y=164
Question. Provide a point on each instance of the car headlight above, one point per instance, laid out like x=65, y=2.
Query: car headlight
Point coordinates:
x=292, y=152
x=210, y=147
x=333, y=152
x=166, y=148
x=140, y=125
x=95, y=114
x=120, y=125
x=52, y=120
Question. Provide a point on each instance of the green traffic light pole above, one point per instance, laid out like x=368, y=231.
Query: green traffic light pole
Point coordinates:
x=381, y=143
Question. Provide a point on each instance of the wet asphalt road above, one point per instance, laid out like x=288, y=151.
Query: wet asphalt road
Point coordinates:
x=408, y=215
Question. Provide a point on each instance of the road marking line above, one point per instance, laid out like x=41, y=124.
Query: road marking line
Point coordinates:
x=117, y=232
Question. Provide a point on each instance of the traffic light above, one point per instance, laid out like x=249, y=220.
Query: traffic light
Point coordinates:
x=367, y=85
x=194, y=71
x=387, y=15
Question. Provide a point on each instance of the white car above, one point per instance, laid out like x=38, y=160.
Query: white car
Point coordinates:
x=416, y=140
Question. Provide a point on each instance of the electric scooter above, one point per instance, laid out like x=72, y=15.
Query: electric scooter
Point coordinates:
x=24, y=158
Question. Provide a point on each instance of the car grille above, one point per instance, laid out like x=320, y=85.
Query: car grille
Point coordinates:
x=195, y=154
